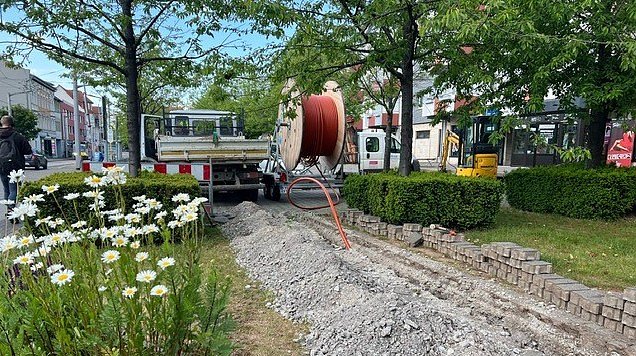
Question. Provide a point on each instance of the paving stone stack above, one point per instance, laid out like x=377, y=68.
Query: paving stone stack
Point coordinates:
x=517, y=265
x=395, y=232
x=351, y=216
x=629, y=313
x=412, y=234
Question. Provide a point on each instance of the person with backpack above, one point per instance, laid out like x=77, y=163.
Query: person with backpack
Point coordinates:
x=13, y=147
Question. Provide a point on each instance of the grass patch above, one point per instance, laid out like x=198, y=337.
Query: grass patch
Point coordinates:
x=259, y=330
x=597, y=253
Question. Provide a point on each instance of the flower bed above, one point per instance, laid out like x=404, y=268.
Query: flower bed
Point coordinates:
x=85, y=280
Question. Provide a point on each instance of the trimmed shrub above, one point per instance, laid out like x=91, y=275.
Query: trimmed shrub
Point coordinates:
x=151, y=184
x=604, y=193
x=426, y=198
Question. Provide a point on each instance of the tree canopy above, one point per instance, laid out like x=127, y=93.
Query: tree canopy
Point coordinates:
x=514, y=53
x=26, y=122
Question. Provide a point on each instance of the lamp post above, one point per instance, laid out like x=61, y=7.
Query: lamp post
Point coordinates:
x=9, y=95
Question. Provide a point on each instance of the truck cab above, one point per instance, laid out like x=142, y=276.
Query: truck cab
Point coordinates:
x=371, y=151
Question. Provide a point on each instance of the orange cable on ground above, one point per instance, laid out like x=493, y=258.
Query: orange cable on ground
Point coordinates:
x=331, y=205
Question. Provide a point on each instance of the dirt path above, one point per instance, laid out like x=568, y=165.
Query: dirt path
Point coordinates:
x=381, y=299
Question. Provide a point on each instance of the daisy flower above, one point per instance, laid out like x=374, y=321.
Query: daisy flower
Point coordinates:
x=165, y=262
x=141, y=256
x=63, y=277
x=135, y=245
x=39, y=222
x=78, y=225
x=7, y=202
x=26, y=241
x=25, y=259
x=37, y=266
x=34, y=198
x=49, y=189
x=187, y=217
x=146, y=276
x=8, y=243
x=139, y=198
x=110, y=256
x=16, y=176
x=54, y=268
x=71, y=196
x=181, y=197
x=129, y=292
x=160, y=215
x=159, y=290
x=94, y=181
x=101, y=288
x=119, y=241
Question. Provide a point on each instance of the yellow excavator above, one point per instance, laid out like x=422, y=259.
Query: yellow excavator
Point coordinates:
x=477, y=156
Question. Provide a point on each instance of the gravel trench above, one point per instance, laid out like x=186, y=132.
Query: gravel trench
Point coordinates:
x=364, y=302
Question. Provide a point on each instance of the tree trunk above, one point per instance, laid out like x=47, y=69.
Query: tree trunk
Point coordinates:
x=387, y=141
x=406, y=153
x=133, y=112
x=596, y=136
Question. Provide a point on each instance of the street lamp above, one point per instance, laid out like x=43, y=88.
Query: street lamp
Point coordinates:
x=9, y=95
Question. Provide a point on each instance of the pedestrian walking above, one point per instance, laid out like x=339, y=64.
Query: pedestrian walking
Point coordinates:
x=13, y=147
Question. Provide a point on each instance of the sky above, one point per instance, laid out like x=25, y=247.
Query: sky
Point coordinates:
x=50, y=71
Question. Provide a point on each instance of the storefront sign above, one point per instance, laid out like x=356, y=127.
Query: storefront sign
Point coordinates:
x=621, y=146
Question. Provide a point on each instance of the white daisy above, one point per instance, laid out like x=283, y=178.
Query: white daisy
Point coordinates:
x=54, y=268
x=25, y=259
x=181, y=197
x=141, y=256
x=71, y=196
x=119, y=241
x=78, y=225
x=26, y=241
x=129, y=292
x=159, y=290
x=135, y=245
x=110, y=256
x=34, y=198
x=190, y=216
x=37, y=266
x=63, y=277
x=49, y=189
x=94, y=181
x=166, y=262
x=160, y=215
x=16, y=176
x=139, y=198
x=146, y=276
x=101, y=288
x=7, y=202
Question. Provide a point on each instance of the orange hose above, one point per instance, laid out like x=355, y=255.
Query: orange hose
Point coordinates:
x=332, y=206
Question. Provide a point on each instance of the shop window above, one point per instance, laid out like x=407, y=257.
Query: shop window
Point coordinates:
x=424, y=134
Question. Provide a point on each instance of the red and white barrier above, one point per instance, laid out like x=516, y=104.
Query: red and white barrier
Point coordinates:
x=201, y=171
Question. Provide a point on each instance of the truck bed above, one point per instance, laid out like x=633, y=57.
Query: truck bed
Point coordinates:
x=223, y=149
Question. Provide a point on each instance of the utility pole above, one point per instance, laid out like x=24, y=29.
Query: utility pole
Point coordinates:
x=78, y=156
x=9, y=103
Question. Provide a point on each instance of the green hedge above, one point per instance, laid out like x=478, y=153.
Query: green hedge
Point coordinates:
x=154, y=185
x=426, y=198
x=604, y=193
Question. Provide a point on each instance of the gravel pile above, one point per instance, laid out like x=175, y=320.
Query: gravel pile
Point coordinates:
x=357, y=307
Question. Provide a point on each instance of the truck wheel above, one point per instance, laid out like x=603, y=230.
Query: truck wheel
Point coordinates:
x=276, y=192
x=252, y=195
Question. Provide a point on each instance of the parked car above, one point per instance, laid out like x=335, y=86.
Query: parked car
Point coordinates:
x=36, y=160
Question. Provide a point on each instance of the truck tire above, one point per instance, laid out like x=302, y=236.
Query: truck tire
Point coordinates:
x=276, y=192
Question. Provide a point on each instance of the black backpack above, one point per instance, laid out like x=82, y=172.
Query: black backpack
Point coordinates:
x=9, y=155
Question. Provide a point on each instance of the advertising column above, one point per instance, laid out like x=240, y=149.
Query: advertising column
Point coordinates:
x=621, y=145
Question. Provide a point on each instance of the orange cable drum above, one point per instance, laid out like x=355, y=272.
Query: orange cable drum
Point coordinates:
x=320, y=133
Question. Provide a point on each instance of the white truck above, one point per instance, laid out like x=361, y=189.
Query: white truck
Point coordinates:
x=212, y=139
x=363, y=153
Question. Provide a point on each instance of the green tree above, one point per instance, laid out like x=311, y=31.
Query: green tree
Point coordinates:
x=369, y=34
x=119, y=38
x=257, y=101
x=26, y=122
x=512, y=53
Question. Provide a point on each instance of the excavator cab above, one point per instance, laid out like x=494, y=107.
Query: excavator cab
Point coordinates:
x=477, y=156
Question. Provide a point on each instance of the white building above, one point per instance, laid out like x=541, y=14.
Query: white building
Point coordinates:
x=19, y=87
